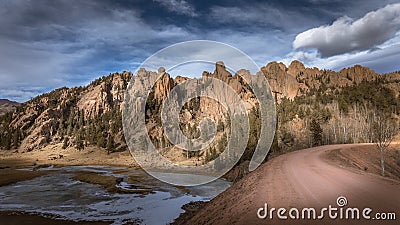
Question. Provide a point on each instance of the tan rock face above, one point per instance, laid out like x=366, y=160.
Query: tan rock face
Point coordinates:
x=220, y=72
x=7, y=106
x=100, y=98
x=295, y=68
x=282, y=83
x=394, y=79
x=358, y=73
x=39, y=118
x=180, y=79
x=297, y=79
x=192, y=114
x=163, y=86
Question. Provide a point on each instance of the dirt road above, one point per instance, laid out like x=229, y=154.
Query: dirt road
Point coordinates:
x=303, y=179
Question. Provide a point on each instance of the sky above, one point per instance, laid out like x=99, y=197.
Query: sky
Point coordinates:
x=47, y=44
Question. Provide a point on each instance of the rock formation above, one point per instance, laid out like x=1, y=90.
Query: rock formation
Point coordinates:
x=66, y=113
x=7, y=106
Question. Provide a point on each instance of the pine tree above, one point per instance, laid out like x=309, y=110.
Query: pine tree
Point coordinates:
x=208, y=157
x=7, y=141
x=70, y=127
x=61, y=126
x=65, y=143
x=16, y=138
x=213, y=153
x=220, y=126
x=79, y=137
x=110, y=144
x=101, y=141
x=316, y=132
x=79, y=143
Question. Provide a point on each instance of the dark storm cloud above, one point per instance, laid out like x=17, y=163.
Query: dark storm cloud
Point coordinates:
x=45, y=44
x=49, y=44
x=180, y=7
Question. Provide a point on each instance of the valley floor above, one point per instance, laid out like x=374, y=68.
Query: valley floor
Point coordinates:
x=56, y=156
x=12, y=161
x=312, y=177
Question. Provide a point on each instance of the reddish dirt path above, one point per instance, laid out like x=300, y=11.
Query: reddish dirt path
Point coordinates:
x=306, y=178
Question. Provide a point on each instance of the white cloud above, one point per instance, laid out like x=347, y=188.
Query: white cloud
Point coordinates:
x=383, y=59
x=180, y=7
x=347, y=35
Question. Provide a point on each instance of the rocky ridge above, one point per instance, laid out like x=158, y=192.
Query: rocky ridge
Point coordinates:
x=7, y=106
x=61, y=114
x=296, y=79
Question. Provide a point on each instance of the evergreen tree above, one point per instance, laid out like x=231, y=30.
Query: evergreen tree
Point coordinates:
x=316, y=132
x=79, y=143
x=70, y=126
x=110, y=144
x=207, y=157
x=101, y=141
x=79, y=138
x=220, y=126
x=65, y=143
x=16, y=138
x=7, y=141
x=61, y=126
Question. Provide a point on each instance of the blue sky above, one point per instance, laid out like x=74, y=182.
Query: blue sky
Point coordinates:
x=46, y=44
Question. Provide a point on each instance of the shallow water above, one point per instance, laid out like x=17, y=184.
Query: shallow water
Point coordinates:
x=59, y=195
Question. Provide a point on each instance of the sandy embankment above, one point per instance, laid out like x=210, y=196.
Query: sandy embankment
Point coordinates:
x=313, y=177
x=10, y=160
x=55, y=155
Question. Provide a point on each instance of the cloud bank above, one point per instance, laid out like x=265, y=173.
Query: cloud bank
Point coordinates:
x=347, y=35
x=180, y=7
x=47, y=44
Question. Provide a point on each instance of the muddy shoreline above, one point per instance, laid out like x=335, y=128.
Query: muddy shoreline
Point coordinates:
x=17, y=218
x=24, y=166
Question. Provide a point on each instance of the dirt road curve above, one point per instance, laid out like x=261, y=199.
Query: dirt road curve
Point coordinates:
x=306, y=178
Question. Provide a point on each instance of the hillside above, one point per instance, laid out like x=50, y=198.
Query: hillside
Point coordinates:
x=320, y=107
x=308, y=178
x=315, y=107
x=297, y=80
x=67, y=115
x=7, y=106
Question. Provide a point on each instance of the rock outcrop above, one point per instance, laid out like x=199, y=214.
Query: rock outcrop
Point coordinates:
x=49, y=118
x=7, y=106
x=280, y=81
x=297, y=80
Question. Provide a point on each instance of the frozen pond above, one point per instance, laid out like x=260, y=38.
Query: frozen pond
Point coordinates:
x=60, y=195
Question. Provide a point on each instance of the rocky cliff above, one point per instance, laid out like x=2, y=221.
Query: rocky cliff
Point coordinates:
x=63, y=113
x=91, y=115
x=7, y=106
x=297, y=80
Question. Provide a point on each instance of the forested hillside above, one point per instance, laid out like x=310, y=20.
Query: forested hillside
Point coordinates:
x=315, y=107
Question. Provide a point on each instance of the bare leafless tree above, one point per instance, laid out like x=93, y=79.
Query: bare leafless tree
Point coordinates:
x=384, y=129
